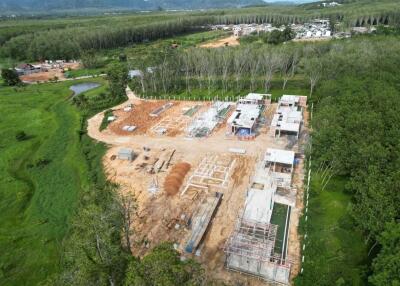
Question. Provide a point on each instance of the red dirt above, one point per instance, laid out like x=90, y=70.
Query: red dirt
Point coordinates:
x=174, y=180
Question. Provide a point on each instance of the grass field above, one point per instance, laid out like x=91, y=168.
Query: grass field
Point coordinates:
x=335, y=251
x=278, y=218
x=40, y=179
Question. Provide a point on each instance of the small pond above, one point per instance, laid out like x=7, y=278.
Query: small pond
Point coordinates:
x=83, y=87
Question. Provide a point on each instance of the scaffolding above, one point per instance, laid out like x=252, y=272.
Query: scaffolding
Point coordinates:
x=250, y=250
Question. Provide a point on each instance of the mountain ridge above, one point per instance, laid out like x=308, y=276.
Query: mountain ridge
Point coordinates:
x=45, y=5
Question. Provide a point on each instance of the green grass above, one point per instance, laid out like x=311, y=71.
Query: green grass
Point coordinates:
x=278, y=218
x=335, y=251
x=40, y=179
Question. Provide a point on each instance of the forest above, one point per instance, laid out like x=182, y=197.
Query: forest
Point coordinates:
x=70, y=37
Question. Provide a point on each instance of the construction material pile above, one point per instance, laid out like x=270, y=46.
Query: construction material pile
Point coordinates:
x=174, y=180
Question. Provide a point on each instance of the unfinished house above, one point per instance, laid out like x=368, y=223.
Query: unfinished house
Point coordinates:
x=289, y=116
x=204, y=124
x=250, y=248
x=279, y=165
x=248, y=109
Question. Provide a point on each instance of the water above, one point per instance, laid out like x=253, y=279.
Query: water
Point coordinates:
x=83, y=87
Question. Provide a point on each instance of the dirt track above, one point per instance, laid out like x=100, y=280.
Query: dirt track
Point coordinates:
x=231, y=41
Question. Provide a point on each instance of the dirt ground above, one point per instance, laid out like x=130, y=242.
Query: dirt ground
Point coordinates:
x=49, y=75
x=161, y=217
x=172, y=119
x=230, y=41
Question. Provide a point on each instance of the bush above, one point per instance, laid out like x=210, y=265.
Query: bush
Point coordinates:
x=21, y=136
x=10, y=77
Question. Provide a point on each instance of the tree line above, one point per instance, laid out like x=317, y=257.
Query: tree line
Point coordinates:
x=68, y=40
x=246, y=68
x=69, y=43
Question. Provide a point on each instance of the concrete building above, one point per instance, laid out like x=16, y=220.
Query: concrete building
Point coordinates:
x=248, y=109
x=279, y=164
x=288, y=117
x=250, y=248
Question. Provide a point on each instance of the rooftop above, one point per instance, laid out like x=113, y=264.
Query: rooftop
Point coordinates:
x=279, y=156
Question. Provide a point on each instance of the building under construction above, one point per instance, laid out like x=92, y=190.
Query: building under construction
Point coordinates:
x=250, y=250
x=251, y=247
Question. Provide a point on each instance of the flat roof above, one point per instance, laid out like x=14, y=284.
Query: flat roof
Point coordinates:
x=279, y=156
x=259, y=205
x=260, y=197
x=289, y=98
x=245, y=115
x=289, y=126
x=257, y=96
x=125, y=151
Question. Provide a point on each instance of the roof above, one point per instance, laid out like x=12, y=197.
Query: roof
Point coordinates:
x=258, y=206
x=260, y=198
x=25, y=66
x=257, y=96
x=289, y=99
x=290, y=127
x=245, y=115
x=125, y=151
x=279, y=156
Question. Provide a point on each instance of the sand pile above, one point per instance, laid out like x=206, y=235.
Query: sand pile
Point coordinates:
x=174, y=180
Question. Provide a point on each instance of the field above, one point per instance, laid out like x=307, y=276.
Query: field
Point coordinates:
x=41, y=176
x=335, y=252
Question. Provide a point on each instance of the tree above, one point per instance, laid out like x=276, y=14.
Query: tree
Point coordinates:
x=117, y=76
x=162, y=266
x=10, y=77
x=127, y=205
x=122, y=57
x=313, y=69
x=93, y=254
x=386, y=266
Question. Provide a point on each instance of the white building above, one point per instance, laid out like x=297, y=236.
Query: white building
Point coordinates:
x=288, y=117
x=246, y=114
x=279, y=164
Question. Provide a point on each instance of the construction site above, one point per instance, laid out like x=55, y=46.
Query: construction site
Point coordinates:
x=221, y=180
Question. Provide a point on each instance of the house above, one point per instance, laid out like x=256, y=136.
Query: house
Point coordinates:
x=279, y=164
x=26, y=68
x=248, y=109
x=250, y=248
x=288, y=117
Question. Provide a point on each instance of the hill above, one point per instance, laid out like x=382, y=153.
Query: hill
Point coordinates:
x=35, y=5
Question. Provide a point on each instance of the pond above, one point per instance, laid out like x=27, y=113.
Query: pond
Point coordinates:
x=83, y=87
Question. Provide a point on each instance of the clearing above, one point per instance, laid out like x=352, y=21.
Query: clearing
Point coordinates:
x=229, y=41
x=191, y=175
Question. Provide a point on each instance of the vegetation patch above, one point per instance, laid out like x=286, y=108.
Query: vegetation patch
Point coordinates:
x=335, y=251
